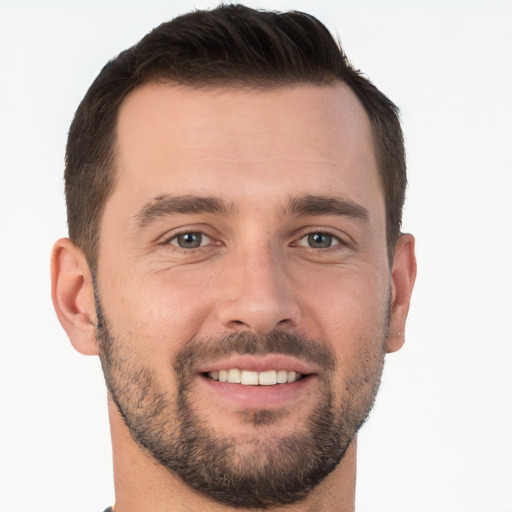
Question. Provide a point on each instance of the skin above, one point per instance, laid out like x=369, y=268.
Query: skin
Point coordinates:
x=255, y=271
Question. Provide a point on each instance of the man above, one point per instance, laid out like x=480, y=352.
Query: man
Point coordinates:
x=234, y=192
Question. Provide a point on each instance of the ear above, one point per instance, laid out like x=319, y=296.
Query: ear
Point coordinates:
x=403, y=275
x=73, y=295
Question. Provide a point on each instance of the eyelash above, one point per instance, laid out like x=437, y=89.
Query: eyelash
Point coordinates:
x=175, y=237
x=334, y=239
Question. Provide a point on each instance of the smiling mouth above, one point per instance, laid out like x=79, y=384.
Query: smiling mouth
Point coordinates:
x=250, y=378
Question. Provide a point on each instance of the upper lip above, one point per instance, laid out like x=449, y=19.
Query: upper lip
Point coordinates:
x=260, y=363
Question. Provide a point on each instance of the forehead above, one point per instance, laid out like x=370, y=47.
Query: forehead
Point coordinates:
x=245, y=143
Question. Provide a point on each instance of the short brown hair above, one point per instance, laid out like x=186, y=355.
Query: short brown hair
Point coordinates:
x=231, y=45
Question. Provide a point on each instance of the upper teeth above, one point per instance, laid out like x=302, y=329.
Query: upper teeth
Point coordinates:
x=268, y=378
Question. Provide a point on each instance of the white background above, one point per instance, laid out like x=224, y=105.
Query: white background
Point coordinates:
x=440, y=437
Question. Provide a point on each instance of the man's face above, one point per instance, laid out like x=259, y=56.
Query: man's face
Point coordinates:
x=245, y=239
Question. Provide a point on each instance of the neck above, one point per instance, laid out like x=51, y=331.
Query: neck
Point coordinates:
x=142, y=484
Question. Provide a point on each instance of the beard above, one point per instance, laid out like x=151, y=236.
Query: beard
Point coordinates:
x=254, y=470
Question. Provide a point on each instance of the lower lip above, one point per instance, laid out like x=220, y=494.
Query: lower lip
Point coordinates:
x=259, y=397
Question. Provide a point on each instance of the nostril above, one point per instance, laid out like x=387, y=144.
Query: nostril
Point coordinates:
x=258, y=313
x=261, y=325
x=236, y=324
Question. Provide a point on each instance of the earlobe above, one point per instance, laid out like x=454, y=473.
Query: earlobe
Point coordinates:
x=403, y=275
x=73, y=295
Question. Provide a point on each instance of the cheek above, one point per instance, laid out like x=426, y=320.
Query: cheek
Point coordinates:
x=354, y=322
x=348, y=305
x=158, y=313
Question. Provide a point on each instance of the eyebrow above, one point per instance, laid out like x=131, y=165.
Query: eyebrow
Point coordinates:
x=326, y=205
x=165, y=205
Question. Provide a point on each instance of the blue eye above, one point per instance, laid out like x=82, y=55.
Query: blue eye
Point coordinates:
x=191, y=240
x=319, y=240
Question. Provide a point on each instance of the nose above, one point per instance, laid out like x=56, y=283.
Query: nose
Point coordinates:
x=257, y=292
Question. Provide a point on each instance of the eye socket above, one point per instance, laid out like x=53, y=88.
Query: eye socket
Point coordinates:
x=319, y=240
x=190, y=240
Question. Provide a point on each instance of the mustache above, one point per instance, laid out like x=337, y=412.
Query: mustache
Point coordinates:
x=206, y=349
